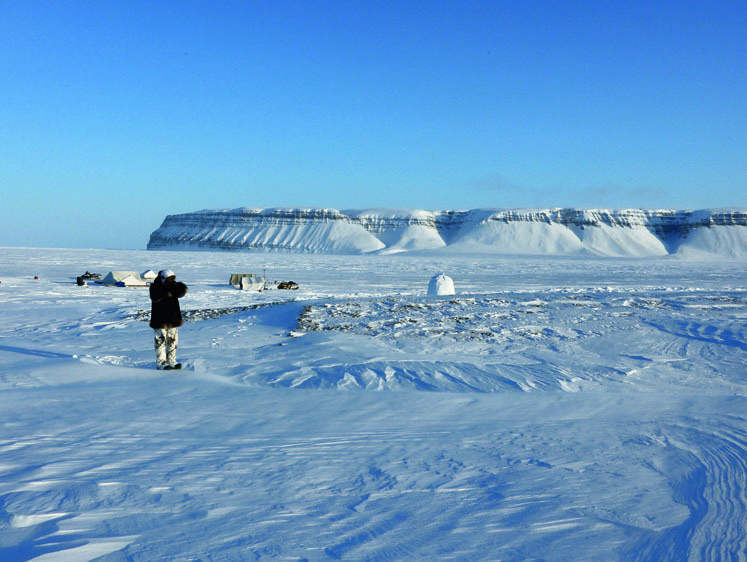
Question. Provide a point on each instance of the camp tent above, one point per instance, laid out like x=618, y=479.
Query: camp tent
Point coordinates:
x=149, y=275
x=247, y=281
x=128, y=278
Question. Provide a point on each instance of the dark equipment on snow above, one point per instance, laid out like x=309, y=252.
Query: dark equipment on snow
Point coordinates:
x=82, y=280
x=288, y=285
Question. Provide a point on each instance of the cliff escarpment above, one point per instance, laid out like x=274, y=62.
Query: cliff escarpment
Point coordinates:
x=562, y=231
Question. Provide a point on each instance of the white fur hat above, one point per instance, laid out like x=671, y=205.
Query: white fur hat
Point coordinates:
x=166, y=273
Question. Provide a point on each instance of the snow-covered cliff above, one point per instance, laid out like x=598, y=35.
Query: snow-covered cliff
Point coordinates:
x=604, y=232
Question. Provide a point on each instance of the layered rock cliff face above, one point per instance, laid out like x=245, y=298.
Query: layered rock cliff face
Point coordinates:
x=604, y=232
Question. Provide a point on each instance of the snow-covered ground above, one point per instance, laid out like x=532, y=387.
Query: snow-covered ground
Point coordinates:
x=554, y=408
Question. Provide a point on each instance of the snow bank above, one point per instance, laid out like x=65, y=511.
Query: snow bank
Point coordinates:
x=494, y=236
x=720, y=241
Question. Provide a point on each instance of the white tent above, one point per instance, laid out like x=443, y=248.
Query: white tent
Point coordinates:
x=149, y=275
x=247, y=281
x=129, y=278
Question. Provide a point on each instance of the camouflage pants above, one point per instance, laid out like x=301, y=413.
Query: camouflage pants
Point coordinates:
x=166, y=341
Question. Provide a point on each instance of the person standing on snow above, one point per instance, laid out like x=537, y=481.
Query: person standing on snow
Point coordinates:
x=166, y=317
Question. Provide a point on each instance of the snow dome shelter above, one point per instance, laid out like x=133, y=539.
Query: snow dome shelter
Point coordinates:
x=441, y=284
x=128, y=278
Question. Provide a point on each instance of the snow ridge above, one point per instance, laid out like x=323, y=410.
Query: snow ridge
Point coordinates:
x=556, y=231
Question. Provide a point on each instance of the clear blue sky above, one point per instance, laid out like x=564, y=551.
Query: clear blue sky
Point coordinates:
x=114, y=114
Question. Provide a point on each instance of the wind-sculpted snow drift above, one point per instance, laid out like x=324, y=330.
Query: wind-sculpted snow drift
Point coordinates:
x=602, y=232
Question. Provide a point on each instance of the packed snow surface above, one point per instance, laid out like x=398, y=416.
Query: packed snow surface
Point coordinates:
x=553, y=409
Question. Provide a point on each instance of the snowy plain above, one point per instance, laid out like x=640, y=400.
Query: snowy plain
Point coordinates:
x=553, y=409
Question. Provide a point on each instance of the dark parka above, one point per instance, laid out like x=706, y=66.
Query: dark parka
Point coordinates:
x=165, y=311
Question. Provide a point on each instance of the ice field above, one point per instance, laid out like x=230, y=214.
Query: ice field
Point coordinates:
x=553, y=409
